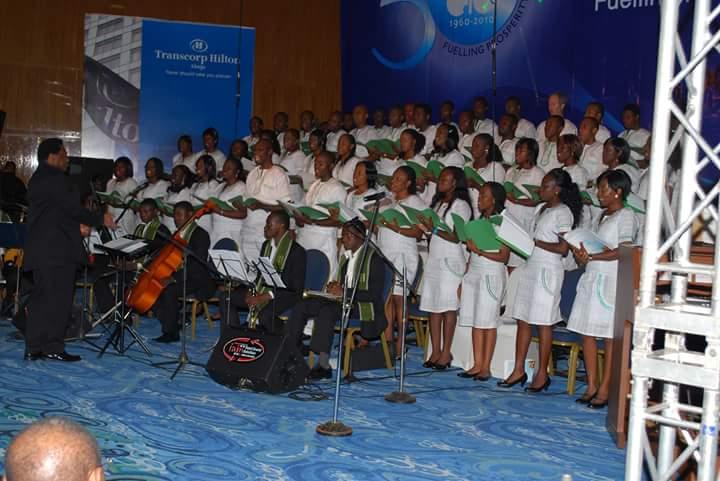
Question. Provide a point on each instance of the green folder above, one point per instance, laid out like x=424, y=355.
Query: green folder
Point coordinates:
x=635, y=203
x=393, y=215
x=165, y=207
x=472, y=174
x=428, y=214
x=459, y=225
x=420, y=171
x=313, y=214
x=113, y=198
x=511, y=188
x=482, y=233
x=384, y=180
x=223, y=205
x=385, y=146
x=305, y=147
x=435, y=168
x=590, y=197
x=534, y=191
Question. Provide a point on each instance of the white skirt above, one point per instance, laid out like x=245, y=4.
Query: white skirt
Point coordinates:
x=537, y=293
x=593, y=312
x=483, y=289
x=441, y=278
x=411, y=266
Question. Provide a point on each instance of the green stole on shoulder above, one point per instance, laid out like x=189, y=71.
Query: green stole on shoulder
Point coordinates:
x=366, y=309
x=148, y=231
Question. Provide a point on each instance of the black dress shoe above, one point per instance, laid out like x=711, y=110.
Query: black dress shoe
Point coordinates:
x=61, y=356
x=32, y=356
x=585, y=399
x=166, y=337
x=544, y=387
x=319, y=372
x=521, y=380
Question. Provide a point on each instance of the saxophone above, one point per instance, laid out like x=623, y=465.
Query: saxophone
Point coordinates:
x=254, y=312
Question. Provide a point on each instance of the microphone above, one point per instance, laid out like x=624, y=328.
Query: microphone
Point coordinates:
x=377, y=196
x=140, y=187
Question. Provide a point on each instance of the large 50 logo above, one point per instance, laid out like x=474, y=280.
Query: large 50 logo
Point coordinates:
x=465, y=22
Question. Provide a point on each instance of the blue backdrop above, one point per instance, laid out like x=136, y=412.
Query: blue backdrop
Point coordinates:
x=397, y=51
x=193, y=76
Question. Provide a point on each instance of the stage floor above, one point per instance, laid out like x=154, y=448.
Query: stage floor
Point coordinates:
x=151, y=428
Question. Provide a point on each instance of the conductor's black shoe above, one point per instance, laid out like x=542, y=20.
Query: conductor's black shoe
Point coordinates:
x=166, y=337
x=319, y=372
x=32, y=356
x=61, y=356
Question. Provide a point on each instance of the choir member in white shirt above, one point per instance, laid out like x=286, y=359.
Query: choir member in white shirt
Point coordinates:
x=446, y=143
x=185, y=155
x=270, y=136
x=266, y=183
x=294, y=163
x=596, y=110
x=179, y=191
x=536, y=299
x=481, y=123
x=616, y=154
x=593, y=312
x=280, y=125
x=445, y=267
x=412, y=143
x=157, y=185
x=506, y=139
x=123, y=183
x=364, y=183
x=592, y=156
x=362, y=132
x=210, y=141
x=205, y=187
x=346, y=160
x=557, y=101
x=487, y=162
x=409, y=114
x=380, y=130
x=466, y=130
x=399, y=244
x=335, y=131
x=316, y=143
x=421, y=117
x=569, y=151
x=322, y=235
x=633, y=134
x=256, y=125
x=239, y=151
x=307, y=125
x=525, y=128
x=547, y=156
x=396, y=127
x=447, y=113
x=227, y=224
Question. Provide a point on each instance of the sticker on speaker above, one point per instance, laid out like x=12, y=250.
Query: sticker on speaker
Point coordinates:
x=243, y=349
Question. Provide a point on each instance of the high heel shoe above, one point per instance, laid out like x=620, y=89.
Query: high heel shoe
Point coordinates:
x=441, y=367
x=598, y=405
x=428, y=364
x=585, y=399
x=466, y=375
x=521, y=380
x=480, y=377
x=544, y=387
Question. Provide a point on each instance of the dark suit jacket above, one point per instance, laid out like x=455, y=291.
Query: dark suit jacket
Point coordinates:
x=54, y=218
x=199, y=282
x=293, y=276
x=375, y=294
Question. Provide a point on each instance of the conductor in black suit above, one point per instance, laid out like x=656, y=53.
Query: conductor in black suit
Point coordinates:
x=53, y=251
x=199, y=283
x=288, y=258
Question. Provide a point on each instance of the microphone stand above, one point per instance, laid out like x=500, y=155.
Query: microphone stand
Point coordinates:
x=335, y=427
x=133, y=195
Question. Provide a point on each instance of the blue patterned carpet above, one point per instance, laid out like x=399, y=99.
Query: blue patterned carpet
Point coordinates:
x=152, y=429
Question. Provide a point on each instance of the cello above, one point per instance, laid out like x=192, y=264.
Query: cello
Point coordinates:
x=150, y=284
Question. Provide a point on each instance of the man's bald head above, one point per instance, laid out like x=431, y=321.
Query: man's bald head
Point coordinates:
x=53, y=449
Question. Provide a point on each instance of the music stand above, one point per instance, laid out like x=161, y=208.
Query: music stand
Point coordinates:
x=122, y=252
x=272, y=279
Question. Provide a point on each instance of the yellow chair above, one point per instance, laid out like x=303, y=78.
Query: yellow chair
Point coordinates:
x=194, y=304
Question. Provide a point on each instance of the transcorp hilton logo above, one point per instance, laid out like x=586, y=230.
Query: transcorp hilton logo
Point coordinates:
x=466, y=25
x=198, y=45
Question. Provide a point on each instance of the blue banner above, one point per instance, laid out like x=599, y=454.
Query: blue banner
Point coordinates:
x=194, y=76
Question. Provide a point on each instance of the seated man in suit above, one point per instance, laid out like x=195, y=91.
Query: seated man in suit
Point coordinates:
x=369, y=301
x=288, y=258
x=199, y=283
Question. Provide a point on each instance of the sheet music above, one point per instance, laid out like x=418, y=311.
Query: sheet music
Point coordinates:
x=270, y=275
x=230, y=263
x=128, y=246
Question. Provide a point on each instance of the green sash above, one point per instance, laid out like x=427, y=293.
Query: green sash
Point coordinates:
x=283, y=250
x=366, y=309
x=148, y=231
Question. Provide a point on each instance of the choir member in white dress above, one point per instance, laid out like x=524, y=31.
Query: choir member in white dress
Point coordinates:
x=412, y=144
x=596, y=110
x=633, y=134
x=592, y=156
x=185, y=155
x=537, y=296
x=256, y=125
x=295, y=164
x=210, y=141
x=229, y=223
x=506, y=139
x=240, y=151
x=335, y=131
x=267, y=184
x=271, y=137
x=483, y=288
x=593, y=312
x=486, y=162
x=525, y=128
x=481, y=123
x=205, y=187
x=364, y=183
x=157, y=186
x=316, y=144
x=422, y=116
x=466, y=130
x=445, y=266
x=447, y=113
x=399, y=244
x=445, y=148
x=525, y=172
x=557, y=102
x=307, y=125
x=322, y=235
x=616, y=154
x=547, y=156
x=280, y=125
x=362, y=132
x=569, y=151
x=179, y=190
x=122, y=183
x=346, y=160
